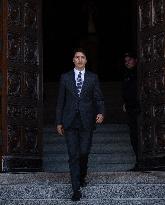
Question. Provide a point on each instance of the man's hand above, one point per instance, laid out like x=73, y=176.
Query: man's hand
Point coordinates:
x=99, y=118
x=60, y=129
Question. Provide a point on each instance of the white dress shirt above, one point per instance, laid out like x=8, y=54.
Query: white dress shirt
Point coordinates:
x=76, y=72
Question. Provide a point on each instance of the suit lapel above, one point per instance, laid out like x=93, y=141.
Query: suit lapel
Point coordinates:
x=73, y=83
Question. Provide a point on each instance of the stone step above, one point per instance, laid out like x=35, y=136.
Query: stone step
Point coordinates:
x=105, y=132
x=111, y=136
x=103, y=128
x=96, y=148
x=111, y=150
x=93, y=178
x=99, y=191
x=84, y=201
x=112, y=117
x=93, y=167
x=104, y=188
x=93, y=158
x=54, y=139
x=112, y=127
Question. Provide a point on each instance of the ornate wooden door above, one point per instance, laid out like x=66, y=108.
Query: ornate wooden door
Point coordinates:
x=21, y=62
x=151, y=41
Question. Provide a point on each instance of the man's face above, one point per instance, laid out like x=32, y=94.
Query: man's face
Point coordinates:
x=130, y=62
x=79, y=60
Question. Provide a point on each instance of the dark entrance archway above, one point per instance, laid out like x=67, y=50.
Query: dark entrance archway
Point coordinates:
x=117, y=32
x=107, y=31
x=98, y=29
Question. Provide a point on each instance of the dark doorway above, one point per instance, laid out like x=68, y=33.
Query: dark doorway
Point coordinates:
x=67, y=25
x=107, y=30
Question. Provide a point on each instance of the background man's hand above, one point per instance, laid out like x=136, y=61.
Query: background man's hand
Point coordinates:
x=124, y=108
x=60, y=129
x=99, y=118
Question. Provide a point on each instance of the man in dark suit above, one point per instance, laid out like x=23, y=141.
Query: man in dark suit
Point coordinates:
x=80, y=106
x=131, y=103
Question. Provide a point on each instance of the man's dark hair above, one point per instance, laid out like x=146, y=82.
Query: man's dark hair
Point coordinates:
x=130, y=54
x=79, y=49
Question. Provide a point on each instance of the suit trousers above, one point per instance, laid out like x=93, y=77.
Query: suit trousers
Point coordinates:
x=132, y=122
x=79, y=141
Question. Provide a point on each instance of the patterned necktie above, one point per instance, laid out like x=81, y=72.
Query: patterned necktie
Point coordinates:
x=79, y=83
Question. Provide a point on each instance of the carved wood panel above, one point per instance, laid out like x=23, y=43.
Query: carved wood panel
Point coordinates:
x=151, y=50
x=23, y=86
x=1, y=19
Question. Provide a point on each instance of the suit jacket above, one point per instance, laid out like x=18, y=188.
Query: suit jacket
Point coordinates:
x=89, y=104
x=129, y=90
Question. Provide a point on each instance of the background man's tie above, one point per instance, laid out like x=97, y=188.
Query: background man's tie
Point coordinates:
x=79, y=83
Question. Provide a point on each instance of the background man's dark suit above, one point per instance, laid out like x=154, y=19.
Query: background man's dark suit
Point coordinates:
x=131, y=102
x=78, y=117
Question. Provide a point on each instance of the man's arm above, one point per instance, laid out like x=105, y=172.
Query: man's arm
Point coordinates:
x=99, y=101
x=60, y=106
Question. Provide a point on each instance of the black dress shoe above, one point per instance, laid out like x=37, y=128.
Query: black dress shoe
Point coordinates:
x=83, y=183
x=76, y=196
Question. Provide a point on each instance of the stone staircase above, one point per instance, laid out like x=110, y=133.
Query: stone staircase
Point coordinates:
x=109, y=182
x=112, y=188
x=111, y=150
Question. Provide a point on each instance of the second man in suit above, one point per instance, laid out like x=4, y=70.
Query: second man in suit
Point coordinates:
x=80, y=106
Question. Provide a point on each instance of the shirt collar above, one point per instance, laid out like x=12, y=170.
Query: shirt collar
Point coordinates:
x=77, y=71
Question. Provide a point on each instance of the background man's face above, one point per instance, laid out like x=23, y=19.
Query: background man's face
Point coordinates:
x=130, y=62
